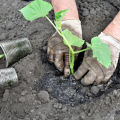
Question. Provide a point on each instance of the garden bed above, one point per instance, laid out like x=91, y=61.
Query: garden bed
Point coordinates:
x=66, y=99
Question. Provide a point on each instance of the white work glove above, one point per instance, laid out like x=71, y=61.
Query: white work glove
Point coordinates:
x=92, y=70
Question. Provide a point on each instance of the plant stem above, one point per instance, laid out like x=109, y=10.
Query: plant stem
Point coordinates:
x=1, y=56
x=53, y=25
x=60, y=34
x=72, y=64
x=76, y=52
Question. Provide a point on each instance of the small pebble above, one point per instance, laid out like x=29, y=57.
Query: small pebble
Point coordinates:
x=64, y=109
x=89, y=113
x=115, y=93
x=22, y=99
x=50, y=90
x=24, y=93
x=82, y=115
x=32, y=111
x=94, y=90
x=44, y=96
x=92, y=11
x=57, y=105
x=107, y=101
x=101, y=87
x=3, y=36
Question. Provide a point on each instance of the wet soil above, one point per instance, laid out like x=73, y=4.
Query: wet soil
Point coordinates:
x=43, y=95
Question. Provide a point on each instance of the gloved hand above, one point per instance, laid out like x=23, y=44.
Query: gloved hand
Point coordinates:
x=92, y=70
x=57, y=52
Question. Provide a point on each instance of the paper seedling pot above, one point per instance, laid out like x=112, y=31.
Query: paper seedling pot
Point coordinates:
x=14, y=51
x=8, y=77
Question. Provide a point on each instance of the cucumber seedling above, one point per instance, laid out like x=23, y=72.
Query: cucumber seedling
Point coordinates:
x=40, y=8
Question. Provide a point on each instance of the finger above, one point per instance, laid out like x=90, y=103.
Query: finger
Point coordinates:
x=67, y=66
x=97, y=68
x=100, y=76
x=59, y=61
x=50, y=55
x=89, y=78
x=81, y=71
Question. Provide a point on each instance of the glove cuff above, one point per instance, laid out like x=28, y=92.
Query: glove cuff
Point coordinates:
x=110, y=40
x=74, y=24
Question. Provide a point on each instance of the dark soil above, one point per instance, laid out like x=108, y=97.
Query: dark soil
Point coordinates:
x=69, y=91
x=65, y=99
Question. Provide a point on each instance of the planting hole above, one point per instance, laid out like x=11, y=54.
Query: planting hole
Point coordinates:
x=70, y=91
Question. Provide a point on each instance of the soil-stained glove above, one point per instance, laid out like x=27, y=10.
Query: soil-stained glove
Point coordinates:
x=91, y=71
x=57, y=52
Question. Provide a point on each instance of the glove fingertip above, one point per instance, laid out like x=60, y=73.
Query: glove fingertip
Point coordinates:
x=87, y=82
x=67, y=72
x=59, y=66
x=83, y=82
x=76, y=76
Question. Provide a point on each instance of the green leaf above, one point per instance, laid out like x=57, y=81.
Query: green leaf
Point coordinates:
x=59, y=15
x=72, y=39
x=36, y=9
x=101, y=51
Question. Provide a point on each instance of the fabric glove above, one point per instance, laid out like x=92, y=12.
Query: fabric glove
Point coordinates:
x=91, y=71
x=57, y=52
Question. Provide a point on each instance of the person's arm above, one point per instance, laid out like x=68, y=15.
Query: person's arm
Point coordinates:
x=72, y=14
x=113, y=28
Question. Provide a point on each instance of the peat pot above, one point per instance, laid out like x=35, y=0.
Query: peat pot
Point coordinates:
x=8, y=76
x=14, y=50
